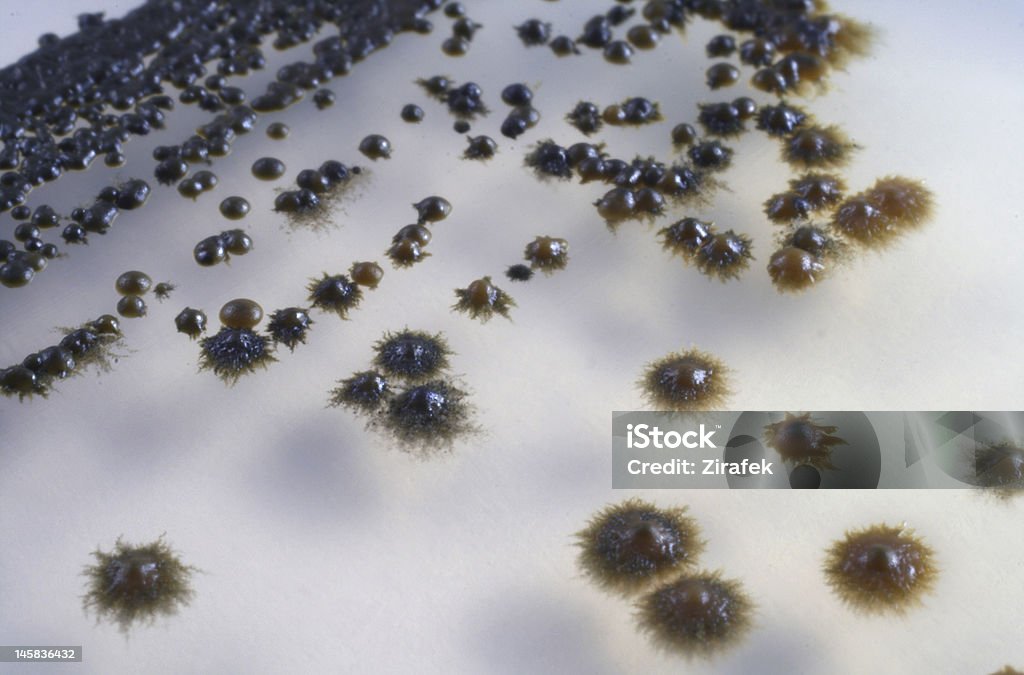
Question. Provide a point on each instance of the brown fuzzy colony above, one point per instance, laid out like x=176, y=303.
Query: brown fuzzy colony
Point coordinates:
x=697, y=616
x=482, y=300
x=817, y=147
x=999, y=467
x=719, y=255
x=628, y=546
x=137, y=583
x=891, y=207
x=794, y=269
x=880, y=569
x=547, y=254
x=723, y=255
x=799, y=440
x=810, y=193
x=686, y=381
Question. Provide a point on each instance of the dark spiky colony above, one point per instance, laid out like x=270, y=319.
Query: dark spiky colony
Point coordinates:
x=547, y=254
x=93, y=344
x=628, y=546
x=800, y=440
x=519, y=273
x=363, y=392
x=407, y=395
x=334, y=293
x=428, y=416
x=411, y=355
x=686, y=381
x=317, y=190
x=548, y=159
x=137, y=584
x=999, y=467
x=697, y=616
x=163, y=290
x=289, y=326
x=880, y=569
x=234, y=352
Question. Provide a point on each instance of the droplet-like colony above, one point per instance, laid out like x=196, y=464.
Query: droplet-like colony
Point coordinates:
x=191, y=322
x=375, y=147
x=629, y=545
x=684, y=381
x=697, y=616
x=133, y=283
x=800, y=440
x=880, y=569
x=131, y=307
x=432, y=209
x=794, y=269
x=241, y=313
x=366, y=274
x=137, y=584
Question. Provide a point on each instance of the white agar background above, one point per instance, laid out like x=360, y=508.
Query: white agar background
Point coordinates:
x=325, y=549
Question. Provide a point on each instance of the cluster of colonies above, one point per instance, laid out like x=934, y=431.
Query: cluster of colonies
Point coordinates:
x=91, y=344
x=794, y=46
x=236, y=349
x=637, y=548
x=131, y=286
x=408, y=393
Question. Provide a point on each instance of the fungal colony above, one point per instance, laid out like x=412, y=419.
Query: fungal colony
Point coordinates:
x=137, y=584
